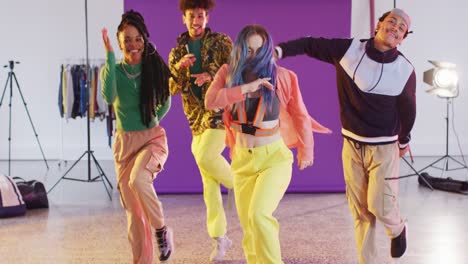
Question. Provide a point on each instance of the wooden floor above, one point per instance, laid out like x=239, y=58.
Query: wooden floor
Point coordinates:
x=83, y=226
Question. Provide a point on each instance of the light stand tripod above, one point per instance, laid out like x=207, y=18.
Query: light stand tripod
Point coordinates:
x=102, y=176
x=11, y=76
x=415, y=172
x=446, y=157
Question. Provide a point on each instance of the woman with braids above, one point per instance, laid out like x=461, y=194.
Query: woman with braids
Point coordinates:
x=138, y=89
x=257, y=95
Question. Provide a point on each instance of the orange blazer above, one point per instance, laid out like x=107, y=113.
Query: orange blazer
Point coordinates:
x=296, y=125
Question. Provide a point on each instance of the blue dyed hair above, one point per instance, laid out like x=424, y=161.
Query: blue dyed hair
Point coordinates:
x=262, y=65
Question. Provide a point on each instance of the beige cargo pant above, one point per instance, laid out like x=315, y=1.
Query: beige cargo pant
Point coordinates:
x=370, y=196
x=139, y=156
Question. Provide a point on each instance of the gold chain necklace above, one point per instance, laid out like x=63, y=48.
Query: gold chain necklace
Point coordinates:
x=131, y=76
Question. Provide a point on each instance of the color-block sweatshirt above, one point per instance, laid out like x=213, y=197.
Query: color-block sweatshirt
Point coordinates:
x=376, y=89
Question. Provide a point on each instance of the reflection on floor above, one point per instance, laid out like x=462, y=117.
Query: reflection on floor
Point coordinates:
x=83, y=226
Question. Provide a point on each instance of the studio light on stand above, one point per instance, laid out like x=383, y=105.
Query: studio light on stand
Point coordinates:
x=444, y=81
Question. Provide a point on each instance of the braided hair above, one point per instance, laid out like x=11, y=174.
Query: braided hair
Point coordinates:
x=155, y=73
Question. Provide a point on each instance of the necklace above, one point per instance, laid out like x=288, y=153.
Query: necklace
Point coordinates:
x=131, y=76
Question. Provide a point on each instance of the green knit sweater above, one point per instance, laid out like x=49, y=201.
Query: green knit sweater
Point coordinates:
x=124, y=94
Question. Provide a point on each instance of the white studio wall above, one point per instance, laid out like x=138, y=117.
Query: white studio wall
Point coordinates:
x=439, y=33
x=42, y=35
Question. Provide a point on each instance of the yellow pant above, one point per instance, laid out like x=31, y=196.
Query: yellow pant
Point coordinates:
x=261, y=177
x=139, y=156
x=214, y=169
x=370, y=196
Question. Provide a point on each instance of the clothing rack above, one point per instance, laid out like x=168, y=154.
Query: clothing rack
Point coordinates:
x=82, y=61
x=90, y=153
x=67, y=87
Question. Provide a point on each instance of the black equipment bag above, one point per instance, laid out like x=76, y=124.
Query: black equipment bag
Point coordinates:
x=444, y=184
x=33, y=192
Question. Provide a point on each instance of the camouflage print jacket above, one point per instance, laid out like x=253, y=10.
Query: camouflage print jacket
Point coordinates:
x=215, y=51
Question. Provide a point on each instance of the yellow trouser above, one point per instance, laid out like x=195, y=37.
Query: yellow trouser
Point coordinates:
x=214, y=169
x=369, y=195
x=139, y=156
x=261, y=177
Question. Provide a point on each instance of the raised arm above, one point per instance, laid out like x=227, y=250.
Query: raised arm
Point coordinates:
x=108, y=79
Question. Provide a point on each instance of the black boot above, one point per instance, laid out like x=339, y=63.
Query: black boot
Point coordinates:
x=399, y=244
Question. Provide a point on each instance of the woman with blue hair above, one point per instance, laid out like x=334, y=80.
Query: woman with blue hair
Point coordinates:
x=257, y=95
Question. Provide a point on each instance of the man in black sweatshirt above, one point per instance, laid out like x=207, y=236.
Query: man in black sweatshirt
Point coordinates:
x=376, y=89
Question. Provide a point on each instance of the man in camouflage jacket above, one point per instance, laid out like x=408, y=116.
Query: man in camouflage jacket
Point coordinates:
x=194, y=62
x=215, y=51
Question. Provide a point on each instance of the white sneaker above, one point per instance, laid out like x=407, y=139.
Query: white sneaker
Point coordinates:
x=165, y=244
x=220, y=246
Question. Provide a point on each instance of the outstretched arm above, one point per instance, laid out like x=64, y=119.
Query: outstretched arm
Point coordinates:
x=327, y=50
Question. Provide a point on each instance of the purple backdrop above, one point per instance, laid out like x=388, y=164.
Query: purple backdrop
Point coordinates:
x=284, y=20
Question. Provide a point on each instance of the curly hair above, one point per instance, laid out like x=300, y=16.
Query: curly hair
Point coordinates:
x=155, y=73
x=192, y=4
